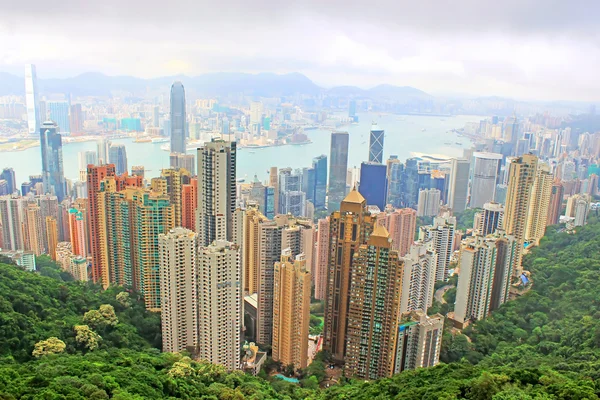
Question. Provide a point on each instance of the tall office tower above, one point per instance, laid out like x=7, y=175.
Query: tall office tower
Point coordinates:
x=321, y=259
x=291, y=310
x=395, y=169
x=175, y=179
x=273, y=182
x=419, y=341
x=264, y=196
x=34, y=230
x=216, y=191
x=537, y=215
x=500, y=196
x=51, y=236
x=95, y=175
x=251, y=249
x=418, y=280
x=52, y=161
x=320, y=166
x=402, y=225
x=178, y=120
x=486, y=167
x=291, y=196
x=373, y=184
x=102, y=147
x=338, y=166
x=441, y=233
x=76, y=118
x=117, y=155
x=557, y=194
x=374, y=310
x=86, y=158
x=429, y=202
x=43, y=107
x=3, y=188
x=34, y=117
x=156, y=116
x=458, y=186
x=410, y=183
x=220, y=312
x=269, y=237
x=490, y=219
x=511, y=130
x=78, y=231
x=186, y=161
x=521, y=177
x=189, y=202
x=59, y=114
x=178, y=290
x=348, y=229
x=352, y=108
x=376, y=144
x=8, y=174
x=256, y=111
x=582, y=209
x=486, y=266
x=12, y=216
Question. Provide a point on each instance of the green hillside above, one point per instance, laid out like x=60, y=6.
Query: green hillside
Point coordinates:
x=544, y=345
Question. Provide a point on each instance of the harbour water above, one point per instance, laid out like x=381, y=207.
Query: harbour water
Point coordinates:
x=403, y=134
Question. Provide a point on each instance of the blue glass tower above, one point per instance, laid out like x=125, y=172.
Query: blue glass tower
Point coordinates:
x=376, y=144
x=320, y=167
x=373, y=183
x=59, y=113
x=53, y=175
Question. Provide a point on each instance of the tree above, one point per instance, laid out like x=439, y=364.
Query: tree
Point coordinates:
x=87, y=337
x=51, y=345
x=123, y=299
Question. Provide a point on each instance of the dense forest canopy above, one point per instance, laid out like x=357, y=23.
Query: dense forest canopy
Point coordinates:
x=543, y=345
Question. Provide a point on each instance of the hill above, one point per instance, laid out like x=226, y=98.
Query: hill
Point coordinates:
x=543, y=345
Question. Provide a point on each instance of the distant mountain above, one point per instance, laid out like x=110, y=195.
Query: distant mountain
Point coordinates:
x=210, y=85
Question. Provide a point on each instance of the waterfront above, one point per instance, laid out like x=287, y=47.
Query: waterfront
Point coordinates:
x=404, y=134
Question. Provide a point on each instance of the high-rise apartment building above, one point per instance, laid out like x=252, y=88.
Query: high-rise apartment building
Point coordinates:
x=486, y=167
x=186, y=161
x=59, y=114
x=117, y=155
x=376, y=137
x=34, y=117
x=557, y=194
x=251, y=248
x=178, y=290
x=189, y=204
x=402, y=225
x=86, y=158
x=458, y=188
x=429, y=202
x=521, y=176
x=348, y=229
x=419, y=341
x=78, y=232
x=51, y=236
x=441, y=234
x=34, y=230
x=220, y=313
x=178, y=119
x=486, y=266
x=539, y=204
x=490, y=219
x=418, y=280
x=12, y=215
x=373, y=184
x=321, y=259
x=374, y=308
x=291, y=310
x=52, y=161
x=338, y=167
x=274, y=183
x=216, y=191
x=175, y=179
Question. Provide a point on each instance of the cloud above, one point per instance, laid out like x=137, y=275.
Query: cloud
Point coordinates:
x=544, y=49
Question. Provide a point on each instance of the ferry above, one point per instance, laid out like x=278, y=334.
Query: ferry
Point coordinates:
x=142, y=140
x=160, y=140
x=166, y=147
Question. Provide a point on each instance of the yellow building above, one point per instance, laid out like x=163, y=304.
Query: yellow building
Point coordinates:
x=52, y=236
x=34, y=230
x=291, y=311
x=175, y=179
x=251, y=249
x=538, y=205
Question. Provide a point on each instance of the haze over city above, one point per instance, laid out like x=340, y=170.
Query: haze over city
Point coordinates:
x=532, y=49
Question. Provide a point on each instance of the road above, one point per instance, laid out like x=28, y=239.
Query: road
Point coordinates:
x=439, y=294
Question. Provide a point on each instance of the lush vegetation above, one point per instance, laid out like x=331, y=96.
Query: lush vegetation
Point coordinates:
x=543, y=345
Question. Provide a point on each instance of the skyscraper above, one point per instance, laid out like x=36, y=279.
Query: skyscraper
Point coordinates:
x=273, y=182
x=178, y=120
x=376, y=137
x=418, y=280
x=187, y=161
x=12, y=215
x=373, y=184
x=34, y=230
x=321, y=259
x=486, y=267
x=394, y=176
x=85, y=158
x=490, y=220
x=429, y=202
x=441, y=233
x=458, y=187
x=419, y=341
x=522, y=172
x=8, y=174
x=78, y=232
x=319, y=164
x=34, y=119
x=51, y=236
x=292, y=200
x=338, y=168
x=539, y=204
x=189, y=203
x=486, y=167
x=402, y=225
x=102, y=146
x=52, y=161
x=175, y=179
x=117, y=155
x=178, y=290
x=216, y=191
x=220, y=304
x=374, y=308
x=556, y=200
x=291, y=310
x=59, y=113
x=349, y=227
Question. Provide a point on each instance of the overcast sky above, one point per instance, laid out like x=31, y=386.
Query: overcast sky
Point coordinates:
x=531, y=49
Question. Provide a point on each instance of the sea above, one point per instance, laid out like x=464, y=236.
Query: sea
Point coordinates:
x=404, y=134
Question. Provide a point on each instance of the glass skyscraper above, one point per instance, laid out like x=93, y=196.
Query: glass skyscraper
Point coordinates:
x=373, y=184
x=53, y=175
x=338, y=169
x=117, y=154
x=376, y=144
x=320, y=167
x=178, y=121
x=34, y=119
x=59, y=113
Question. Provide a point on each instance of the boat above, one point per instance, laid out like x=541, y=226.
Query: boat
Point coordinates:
x=160, y=140
x=166, y=147
x=142, y=140
x=458, y=143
